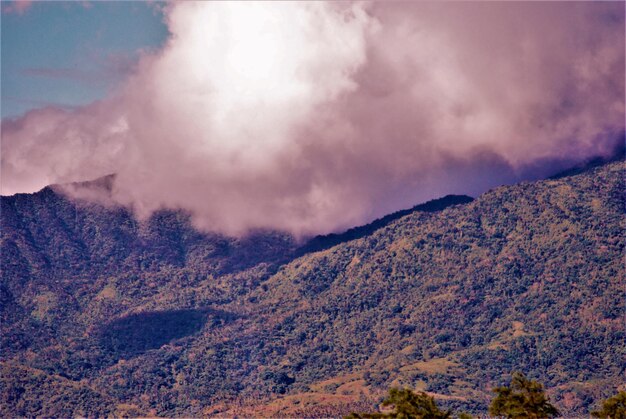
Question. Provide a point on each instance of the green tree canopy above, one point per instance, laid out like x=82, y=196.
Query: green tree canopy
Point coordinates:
x=407, y=405
x=613, y=407
x=523, y=399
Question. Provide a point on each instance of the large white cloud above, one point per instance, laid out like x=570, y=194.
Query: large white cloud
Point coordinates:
x=309, y=117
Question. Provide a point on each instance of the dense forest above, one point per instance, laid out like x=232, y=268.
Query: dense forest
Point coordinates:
x=106, y=315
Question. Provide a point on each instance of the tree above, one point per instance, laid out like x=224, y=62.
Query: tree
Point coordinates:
x=523, y=399
x=613, y=407
x=407, y=405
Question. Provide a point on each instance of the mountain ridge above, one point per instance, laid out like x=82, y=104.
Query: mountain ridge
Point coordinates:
x=448, y=301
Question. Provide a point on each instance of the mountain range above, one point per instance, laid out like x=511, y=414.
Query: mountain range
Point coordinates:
x=103, y=314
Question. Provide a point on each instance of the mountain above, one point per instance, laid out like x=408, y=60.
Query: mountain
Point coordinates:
x=105, y=315
x=329, y=240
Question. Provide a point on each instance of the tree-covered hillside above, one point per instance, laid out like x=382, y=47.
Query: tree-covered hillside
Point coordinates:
x=102, y=314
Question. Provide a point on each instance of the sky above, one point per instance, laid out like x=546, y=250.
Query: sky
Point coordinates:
x=71, y=53
x=305, y=117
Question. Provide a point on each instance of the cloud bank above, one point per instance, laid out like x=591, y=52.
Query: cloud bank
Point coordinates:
x=312, y=117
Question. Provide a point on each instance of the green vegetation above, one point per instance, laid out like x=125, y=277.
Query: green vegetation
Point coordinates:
x=523, y=399
x=407, y=404
x=104, y=315
x=613, y=407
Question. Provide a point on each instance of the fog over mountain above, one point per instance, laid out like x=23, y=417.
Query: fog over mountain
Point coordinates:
x=312, y=117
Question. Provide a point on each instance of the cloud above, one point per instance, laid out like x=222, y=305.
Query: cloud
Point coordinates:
x=20, y=7
x=51, y=145
x=16, y=6
x=36, y=103
x=100, y=69
x=311, y=117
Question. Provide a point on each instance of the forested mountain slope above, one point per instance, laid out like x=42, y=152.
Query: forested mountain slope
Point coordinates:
x=105, y=315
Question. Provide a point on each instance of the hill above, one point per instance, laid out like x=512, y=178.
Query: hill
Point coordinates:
x=104, y=315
